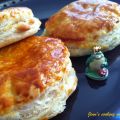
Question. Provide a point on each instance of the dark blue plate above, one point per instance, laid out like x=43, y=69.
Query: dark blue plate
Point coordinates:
x=90, y=96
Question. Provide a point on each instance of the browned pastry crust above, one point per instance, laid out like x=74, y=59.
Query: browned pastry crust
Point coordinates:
x=15, y=13
x=82, y=23
x=17, y=23
x=27, y=68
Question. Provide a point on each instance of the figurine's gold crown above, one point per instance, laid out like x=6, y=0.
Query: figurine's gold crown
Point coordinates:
x=96, y=49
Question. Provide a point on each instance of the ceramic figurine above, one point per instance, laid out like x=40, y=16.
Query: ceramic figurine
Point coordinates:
x=97, y=65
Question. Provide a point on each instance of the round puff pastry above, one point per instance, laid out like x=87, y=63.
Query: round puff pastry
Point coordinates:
x=36, y=78
x=84, y=24
x=17, y=23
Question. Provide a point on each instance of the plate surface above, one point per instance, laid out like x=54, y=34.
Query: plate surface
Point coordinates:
x=90, y=96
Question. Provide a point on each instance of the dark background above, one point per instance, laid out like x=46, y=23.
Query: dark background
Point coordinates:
x=90, y=96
